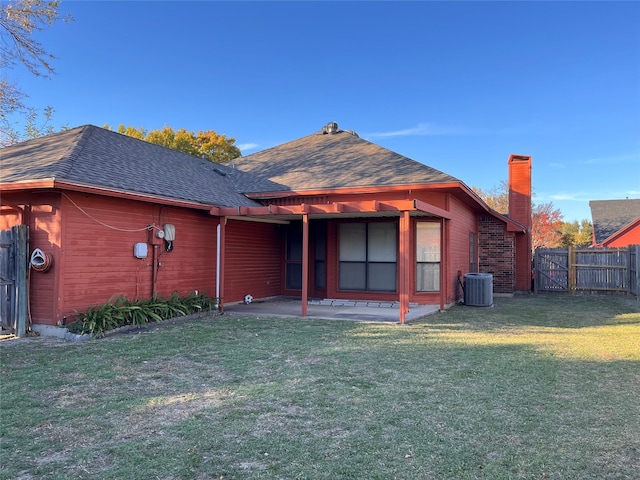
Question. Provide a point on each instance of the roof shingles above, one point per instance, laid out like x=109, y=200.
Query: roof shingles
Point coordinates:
x=610, y=216
x=332, y=161
x=97, y=157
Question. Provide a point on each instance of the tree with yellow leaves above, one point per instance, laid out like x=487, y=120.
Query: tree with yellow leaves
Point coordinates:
x=205, y=144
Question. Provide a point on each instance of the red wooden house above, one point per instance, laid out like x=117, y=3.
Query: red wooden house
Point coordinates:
x=616, y=223
x=329, y=215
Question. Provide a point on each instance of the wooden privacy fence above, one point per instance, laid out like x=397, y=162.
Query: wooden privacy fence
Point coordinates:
x=14, y=247
x=570, y=270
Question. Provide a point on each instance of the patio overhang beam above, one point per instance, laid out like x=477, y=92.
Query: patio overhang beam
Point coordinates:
x=392, y=207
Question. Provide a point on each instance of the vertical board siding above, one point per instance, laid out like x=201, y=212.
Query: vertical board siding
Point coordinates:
x=253, y=259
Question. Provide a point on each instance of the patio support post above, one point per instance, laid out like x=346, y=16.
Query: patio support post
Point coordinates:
x=444, y=262
x=403, y=267
x=223, y=242
x=305, y=262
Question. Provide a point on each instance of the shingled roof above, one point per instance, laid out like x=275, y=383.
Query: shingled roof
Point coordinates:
x=96, y=157
x=331, y=159
x=611, y=216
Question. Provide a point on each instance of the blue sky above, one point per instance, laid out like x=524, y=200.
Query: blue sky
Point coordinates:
x=456, y=85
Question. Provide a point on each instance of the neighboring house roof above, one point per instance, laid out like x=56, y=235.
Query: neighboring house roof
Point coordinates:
x=324, y=161
x=611, y=216
x=90, y=156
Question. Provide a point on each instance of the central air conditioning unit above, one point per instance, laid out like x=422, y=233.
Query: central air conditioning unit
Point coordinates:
x=478, y=289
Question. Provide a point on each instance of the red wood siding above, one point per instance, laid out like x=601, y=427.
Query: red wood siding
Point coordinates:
x=463, y=222
x=625, y=237
x=99, y=235
x=191, y=265
x=43, y=218
x=253, y=260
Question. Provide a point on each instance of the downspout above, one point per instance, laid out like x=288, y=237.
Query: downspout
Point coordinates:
x=218, y=264
x=154, y=271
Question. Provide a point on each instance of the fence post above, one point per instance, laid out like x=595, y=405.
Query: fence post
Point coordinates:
x=630, y=268
x=21, y=238
x=571, y=274
x=637, y=247
x=536, y=271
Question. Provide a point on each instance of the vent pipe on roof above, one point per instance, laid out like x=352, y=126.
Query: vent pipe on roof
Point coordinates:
x=331, y=127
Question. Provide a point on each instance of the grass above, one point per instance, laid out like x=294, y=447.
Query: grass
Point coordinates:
x=535, y=387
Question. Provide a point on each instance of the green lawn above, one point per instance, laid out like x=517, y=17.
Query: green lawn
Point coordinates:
x=535, y=387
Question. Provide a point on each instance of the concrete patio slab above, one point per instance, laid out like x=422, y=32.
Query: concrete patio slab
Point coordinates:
x=323, y=309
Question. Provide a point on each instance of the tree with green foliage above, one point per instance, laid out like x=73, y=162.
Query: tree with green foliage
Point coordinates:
x=19, y=20
x=577, y=234
x=205, y=144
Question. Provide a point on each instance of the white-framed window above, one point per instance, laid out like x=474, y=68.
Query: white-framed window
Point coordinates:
x=427, y=257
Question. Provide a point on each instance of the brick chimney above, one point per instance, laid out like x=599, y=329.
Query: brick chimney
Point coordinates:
x=520, y=211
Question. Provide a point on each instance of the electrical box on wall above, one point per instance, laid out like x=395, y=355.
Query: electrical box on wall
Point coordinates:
x=140, y=250
x=169, y=232
x=156, y=235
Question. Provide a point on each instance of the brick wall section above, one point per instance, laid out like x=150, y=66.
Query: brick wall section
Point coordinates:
x=497, y=253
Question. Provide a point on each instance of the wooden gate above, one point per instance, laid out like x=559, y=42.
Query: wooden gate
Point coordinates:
x=551, y=270
x=13, y=279
x=587, y=269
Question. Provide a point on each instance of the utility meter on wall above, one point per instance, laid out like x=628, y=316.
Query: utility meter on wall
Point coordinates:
x=169, y=231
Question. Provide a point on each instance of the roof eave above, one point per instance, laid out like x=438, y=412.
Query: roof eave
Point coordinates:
x=118, y=193
x=49, y=184
x=350, y=190
x=623, y=231
x=27, y=185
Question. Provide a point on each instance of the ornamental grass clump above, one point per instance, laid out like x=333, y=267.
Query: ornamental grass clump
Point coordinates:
x=99, y=319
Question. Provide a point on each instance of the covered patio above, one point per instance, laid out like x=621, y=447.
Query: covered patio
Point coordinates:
x=401, y=209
